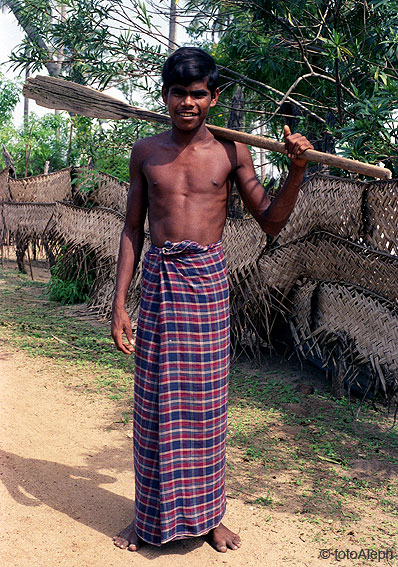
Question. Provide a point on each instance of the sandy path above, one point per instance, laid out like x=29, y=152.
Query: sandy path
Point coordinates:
x=67, y=484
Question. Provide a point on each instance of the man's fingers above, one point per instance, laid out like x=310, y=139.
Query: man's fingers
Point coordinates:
x=120, y=345
x=295, y=144
x=129, y=334
x=121, y=325
x=296, y=149
x=128, y=348
x=123, y=347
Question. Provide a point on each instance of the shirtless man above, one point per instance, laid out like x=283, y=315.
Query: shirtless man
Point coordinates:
x=182, y=178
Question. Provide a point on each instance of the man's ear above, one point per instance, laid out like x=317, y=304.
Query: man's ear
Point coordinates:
x=165, y=93
x=214, y=97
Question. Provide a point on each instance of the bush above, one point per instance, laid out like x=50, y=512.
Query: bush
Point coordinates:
x=71, y=279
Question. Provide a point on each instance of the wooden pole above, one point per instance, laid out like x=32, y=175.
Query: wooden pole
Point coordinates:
x=66, y=95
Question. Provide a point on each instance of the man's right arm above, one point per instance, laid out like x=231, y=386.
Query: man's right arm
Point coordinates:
x=131, y=243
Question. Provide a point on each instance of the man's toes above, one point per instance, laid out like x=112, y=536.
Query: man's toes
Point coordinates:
x=133, y=547
x=231, y=544
x=120, y=542
x=221, y=547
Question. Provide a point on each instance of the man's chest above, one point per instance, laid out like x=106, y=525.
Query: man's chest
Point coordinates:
x=198, y=171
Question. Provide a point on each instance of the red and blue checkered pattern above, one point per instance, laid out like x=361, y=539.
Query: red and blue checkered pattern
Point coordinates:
x=180, y=395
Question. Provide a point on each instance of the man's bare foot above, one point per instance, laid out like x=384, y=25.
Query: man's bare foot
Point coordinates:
x=221, y=538
x=128, y=539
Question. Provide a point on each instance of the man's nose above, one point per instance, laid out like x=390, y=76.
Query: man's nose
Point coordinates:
x=188, y=100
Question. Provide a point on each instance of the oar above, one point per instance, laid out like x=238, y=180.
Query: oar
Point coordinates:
x=66, y=95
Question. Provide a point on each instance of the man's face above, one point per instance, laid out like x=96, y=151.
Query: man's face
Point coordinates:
x=189, y=105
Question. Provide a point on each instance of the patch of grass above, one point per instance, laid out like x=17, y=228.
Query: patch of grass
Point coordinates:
x=264, y=500
x=304, y=447
x=258, y=390
x=42, y=327
x=252, y=454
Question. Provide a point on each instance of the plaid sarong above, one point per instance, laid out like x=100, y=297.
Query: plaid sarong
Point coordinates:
x=180, y=395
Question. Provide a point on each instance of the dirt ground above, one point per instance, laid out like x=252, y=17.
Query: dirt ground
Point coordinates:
x=67, y=486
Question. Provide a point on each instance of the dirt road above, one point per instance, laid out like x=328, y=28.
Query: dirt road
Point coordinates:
x=67, y=485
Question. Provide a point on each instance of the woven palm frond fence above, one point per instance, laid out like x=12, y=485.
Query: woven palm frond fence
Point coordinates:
x=381, y=216
x=29, y=220
x=336, y=281
x=330, y=204
x=42, y=188
x=349, y=329
x=97, y=228
x=4, y=187
x=324, y=256
x=24, y=223
x=332, y=273
x=103, y=190
x=243, y=243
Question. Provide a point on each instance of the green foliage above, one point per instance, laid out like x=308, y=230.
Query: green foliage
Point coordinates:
x=65, y=140
x=322, y=67
x=9, y=96
x=108, y=144
x=42, y=139
x=101, y=41
x=67, y=292
x=337, y=62
x=70, y=280
x=373, y=134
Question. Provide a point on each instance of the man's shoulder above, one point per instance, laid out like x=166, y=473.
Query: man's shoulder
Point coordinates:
x=145, y=147
x=234, y=150
x=151, y=141
x=230, y=145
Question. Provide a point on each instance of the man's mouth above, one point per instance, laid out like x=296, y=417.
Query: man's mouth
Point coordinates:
x=187, y=114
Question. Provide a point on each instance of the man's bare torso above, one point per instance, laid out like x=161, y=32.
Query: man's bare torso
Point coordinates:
x=187, y=187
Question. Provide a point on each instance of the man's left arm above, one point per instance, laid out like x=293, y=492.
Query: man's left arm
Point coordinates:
x=272, y=216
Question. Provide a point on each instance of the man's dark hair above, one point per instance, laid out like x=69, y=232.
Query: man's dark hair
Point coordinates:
x=189, y=64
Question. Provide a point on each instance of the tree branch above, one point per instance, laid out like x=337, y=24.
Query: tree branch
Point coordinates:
x=276, y=91
x=33, y=34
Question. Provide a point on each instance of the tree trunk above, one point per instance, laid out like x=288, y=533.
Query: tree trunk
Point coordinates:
x=263, y=168
x=20, y=249
x=235, y=120
x=173, y=26
x=26, y=104
x=15, y=6
x=60, y=58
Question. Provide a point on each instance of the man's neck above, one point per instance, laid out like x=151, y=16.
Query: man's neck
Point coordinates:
x=184, y=138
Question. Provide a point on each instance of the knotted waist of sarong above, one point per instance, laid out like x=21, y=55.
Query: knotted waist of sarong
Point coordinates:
x=185, y=246
x=180, y=393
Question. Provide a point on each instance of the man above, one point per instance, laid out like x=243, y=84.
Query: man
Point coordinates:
x=182, y=179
